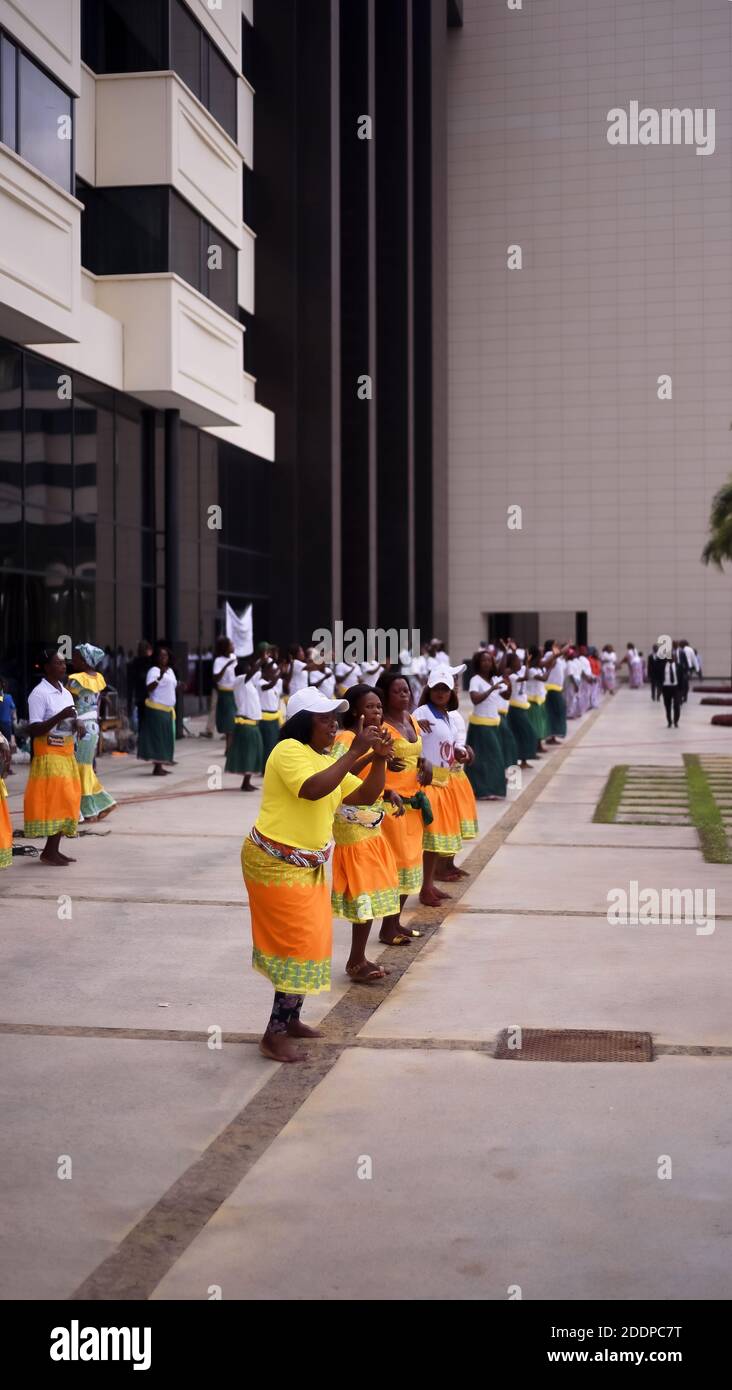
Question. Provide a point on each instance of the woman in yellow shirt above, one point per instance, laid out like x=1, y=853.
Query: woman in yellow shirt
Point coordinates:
x=284, y=856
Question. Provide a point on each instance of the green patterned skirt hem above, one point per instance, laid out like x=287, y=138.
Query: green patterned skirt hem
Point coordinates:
x=293, y=976
x=441, y=844
x=410, y=880
x=6, y=858
x=95, y=804
x=384, y=902
x=41, y=829
x=468, y=829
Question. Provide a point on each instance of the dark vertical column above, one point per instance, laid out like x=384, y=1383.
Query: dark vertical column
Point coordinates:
x=276, y=289
x=336, y=549
x=373, y=421
x=392, y=314
x=172, y=525
x=356, y=358
x=318, y=308
x=410, y=403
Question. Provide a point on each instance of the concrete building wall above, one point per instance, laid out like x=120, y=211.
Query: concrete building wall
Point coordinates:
x=627, y=275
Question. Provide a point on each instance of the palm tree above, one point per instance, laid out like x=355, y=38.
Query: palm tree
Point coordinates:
x=719, y=546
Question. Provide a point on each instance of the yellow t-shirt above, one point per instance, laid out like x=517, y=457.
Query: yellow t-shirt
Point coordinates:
x=288, y=817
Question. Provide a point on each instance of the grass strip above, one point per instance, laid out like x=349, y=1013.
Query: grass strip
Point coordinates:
x=607, y=807
x=705, y=814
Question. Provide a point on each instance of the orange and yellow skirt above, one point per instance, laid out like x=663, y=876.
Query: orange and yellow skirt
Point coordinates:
x=403, y=835
x=365, y=874
x=466, y=802
x=6, y=829
x=292, y=926
x=443, y=835
x=53, y=791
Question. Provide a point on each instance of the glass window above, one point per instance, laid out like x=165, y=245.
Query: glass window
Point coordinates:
x=11, y=455
x=124, y=231
x=45, y=126
x=48, y=472
x=8, y=54
x=248, y=203
x=221, y=271
x=222, y=91
x=93, y=450
x=124, y=35
x=247, y=49
x=185, y=47
x=185, y=241
x=129, y=422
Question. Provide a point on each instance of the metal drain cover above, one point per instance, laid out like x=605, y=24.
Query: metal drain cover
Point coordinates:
x=572, y=1045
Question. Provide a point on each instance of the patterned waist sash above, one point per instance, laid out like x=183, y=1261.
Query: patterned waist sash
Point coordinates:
x=290, y=854
x=440, y=776
x=420, y=802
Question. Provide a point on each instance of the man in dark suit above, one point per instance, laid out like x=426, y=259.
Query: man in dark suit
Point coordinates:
x=655, y=673
x=672, y=688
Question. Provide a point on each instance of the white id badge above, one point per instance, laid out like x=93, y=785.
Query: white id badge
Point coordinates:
x=55, y=740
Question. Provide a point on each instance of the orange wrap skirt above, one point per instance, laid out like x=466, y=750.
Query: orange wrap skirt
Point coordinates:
x=465, y=797
x=443, y=835
x=53, y=792
x=365, y=875
x=292, y=925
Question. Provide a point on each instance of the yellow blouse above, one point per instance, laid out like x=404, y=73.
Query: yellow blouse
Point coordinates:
x=284, y=814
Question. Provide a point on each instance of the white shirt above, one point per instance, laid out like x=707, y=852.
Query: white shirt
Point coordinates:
x=298, y=676
x=370, y=672
x=490, y=707
x=327, y=682
x=584, y=662
x=246, y=698
x=439, y=744
x=669, y=673
x=518, y=684
x=268, y=699
x=558, y=672
x=458, y=728
x=165, y=692
x=690, y=655
x=608, y=658
x=535, y=683
x=348, y=676
x=574, y=669
x=220, y=664
x=46, y=699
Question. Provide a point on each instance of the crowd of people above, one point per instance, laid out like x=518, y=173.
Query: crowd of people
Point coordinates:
x=372, y=760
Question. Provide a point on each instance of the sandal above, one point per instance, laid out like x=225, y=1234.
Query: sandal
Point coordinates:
x=400, y=940
x=366, y=974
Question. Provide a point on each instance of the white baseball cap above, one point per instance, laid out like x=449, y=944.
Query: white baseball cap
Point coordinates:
x=315, y=703
x=444, y=675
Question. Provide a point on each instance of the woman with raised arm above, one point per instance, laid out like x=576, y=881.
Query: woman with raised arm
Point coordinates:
x=555, y=665
x=224, y=670
x=365, y=876
x=53, y=791
x=284, y=856
x=518, y=710
x=442, y=840
x=488, y=691
x=407, y=773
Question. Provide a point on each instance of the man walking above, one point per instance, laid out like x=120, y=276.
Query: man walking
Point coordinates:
x=655, y=673
x=672, y=686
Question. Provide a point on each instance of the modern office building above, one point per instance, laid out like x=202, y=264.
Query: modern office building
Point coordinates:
x=559, y=402
x=146, y=148
x=128, y=413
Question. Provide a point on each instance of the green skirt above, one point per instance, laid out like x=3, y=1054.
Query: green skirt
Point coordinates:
x=539, y=719
x=487, y=774
x=156, y=743
x=270, y=732
x=225, y=711
x=522, y=730
x=556, y=711
x=508, y=743
x=246, y=753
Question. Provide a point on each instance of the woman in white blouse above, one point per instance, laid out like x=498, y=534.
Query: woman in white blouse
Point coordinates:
x=487, y=692
x=53, y=792
x=157, y=736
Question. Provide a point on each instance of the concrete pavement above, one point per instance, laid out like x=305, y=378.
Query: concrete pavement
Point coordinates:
x=482, y=1175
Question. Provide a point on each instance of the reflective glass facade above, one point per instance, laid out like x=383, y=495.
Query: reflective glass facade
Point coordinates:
x=36, y=114
x=82, y=507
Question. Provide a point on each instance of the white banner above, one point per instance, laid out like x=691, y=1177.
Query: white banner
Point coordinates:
x=240, y=630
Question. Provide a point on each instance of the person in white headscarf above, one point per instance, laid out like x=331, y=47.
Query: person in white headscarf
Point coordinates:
x=85, y=685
